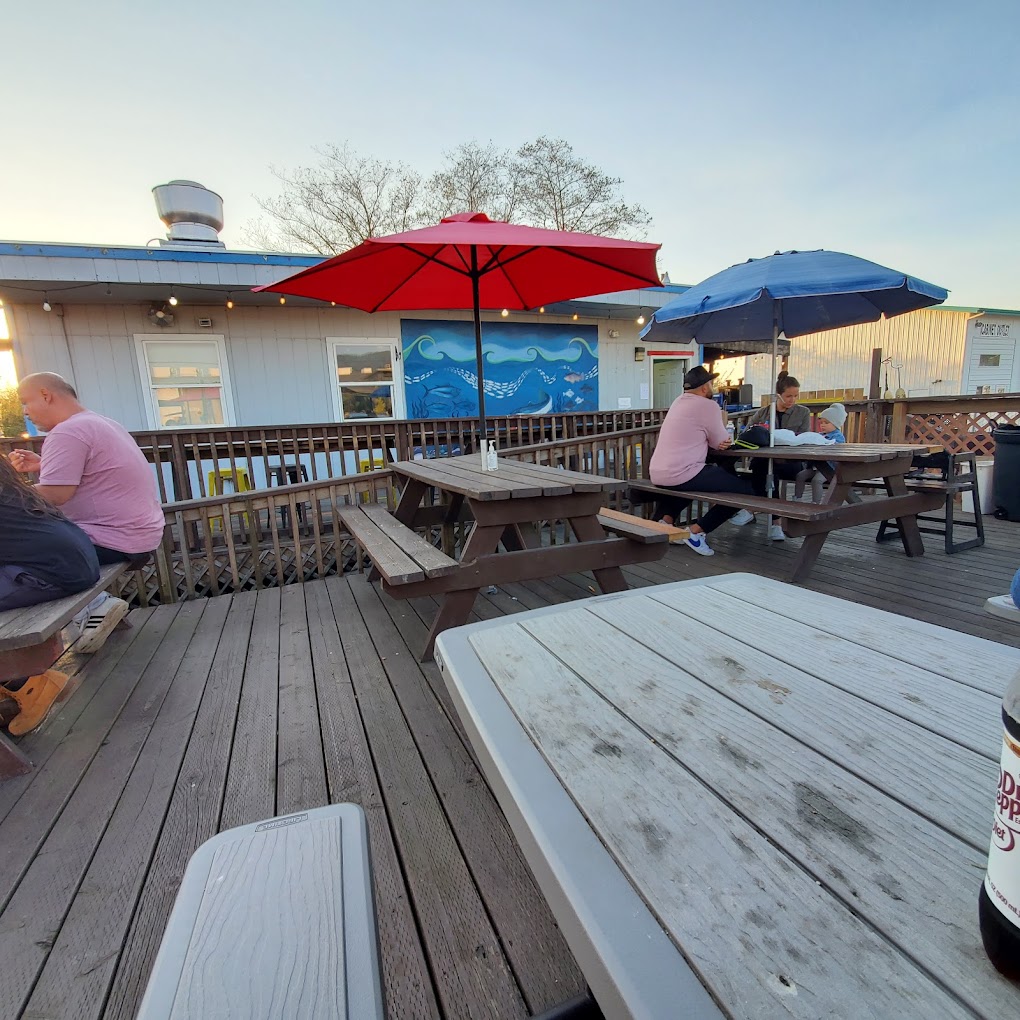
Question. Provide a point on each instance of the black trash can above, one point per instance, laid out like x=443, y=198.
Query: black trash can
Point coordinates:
x=1006, y=488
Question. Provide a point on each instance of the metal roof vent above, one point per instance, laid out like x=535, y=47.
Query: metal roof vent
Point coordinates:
x=193, y=215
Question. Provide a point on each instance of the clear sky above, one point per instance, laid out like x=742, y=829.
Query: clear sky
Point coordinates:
x=887, y=129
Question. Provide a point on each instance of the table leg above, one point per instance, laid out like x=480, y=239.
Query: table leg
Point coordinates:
x=455, y=607
x=588, y=529
x=910, y=533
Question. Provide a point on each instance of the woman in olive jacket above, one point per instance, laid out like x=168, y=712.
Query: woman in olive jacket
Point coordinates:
x=789, y=415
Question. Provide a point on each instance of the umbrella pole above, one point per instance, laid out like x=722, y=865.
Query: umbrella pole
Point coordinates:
x=770, y=478
x=483, y=427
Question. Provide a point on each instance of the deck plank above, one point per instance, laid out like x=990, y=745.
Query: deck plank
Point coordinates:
x=76, y=977
x=30, y=819
x=194, y=812
x=301, y=771
x=529, y=935
x=456, y=930
x=407, y=985
x=251, y=776
x=31, y=920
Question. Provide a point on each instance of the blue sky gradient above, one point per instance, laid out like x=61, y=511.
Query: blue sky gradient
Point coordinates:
x=889, y=130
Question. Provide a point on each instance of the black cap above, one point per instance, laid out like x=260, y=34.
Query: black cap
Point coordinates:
x=698, y=376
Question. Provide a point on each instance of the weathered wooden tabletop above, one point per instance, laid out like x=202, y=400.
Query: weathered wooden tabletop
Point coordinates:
x=845, y=453
x=512, y=480
x=743, y=798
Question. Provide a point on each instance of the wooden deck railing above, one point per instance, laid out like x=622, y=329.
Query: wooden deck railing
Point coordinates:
x=194, y=463
x=959, y=423
x=291, y=533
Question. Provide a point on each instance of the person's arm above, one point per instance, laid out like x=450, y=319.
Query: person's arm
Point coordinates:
x=63, y=464
x=715, y=431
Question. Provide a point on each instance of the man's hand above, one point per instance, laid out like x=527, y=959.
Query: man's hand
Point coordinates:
x=25, y=461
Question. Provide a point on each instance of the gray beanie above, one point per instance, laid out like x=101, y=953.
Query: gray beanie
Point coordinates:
x=836, y=413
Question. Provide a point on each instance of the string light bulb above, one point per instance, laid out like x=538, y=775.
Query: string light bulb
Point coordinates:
x=332, y=304
x=575, y=316
x=541, y=310
x=173, y=300
x=640, y=320
x=283, y=300
x=46, y=306
x=230, y=302
x=505, y=312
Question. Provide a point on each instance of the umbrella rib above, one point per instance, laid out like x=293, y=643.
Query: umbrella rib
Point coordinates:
x=601, y=265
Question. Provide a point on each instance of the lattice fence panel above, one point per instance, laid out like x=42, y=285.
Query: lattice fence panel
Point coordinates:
x=960, y=433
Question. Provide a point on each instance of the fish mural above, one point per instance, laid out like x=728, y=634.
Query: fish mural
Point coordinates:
x=530, y=368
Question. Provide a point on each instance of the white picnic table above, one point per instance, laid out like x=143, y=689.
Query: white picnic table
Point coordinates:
x=746, y=799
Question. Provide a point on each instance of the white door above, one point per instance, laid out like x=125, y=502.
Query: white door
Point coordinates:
x=667, y=380
x=367, y=382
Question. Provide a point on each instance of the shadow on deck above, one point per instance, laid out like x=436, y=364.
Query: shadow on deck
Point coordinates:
x=219, y=712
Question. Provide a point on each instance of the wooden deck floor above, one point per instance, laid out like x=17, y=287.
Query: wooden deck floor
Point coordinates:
x=224, y=711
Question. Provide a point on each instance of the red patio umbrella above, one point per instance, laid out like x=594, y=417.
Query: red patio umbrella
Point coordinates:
x=470, y=261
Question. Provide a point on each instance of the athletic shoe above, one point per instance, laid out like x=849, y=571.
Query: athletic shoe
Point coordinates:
x=742, y=517
x=776, y=533
x=699, y=544
x=96, y=622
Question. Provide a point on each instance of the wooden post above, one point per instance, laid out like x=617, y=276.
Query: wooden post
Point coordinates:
x=875, y=383
x=898, y=430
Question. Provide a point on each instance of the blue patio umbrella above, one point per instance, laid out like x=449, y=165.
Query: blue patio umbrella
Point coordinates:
x=790, y=293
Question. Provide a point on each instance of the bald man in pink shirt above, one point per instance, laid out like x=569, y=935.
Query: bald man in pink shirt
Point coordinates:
x=693, y=426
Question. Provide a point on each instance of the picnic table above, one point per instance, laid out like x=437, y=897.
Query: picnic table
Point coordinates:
x=885, y=463
x=507, y=507
x=745, y=799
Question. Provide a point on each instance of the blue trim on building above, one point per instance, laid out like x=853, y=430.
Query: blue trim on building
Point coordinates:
x=95, y=251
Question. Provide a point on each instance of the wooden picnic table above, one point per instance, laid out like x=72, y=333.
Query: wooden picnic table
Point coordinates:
x=853, y=463
x=507, y=507
x=745, y=799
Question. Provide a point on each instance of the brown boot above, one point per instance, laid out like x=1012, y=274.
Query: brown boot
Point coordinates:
x=36, y=698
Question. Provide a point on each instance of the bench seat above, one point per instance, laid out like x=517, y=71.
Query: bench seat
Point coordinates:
x=30, y=643
x=638, y=528
x=23, y=628
x=790, y=509
x=400, y=555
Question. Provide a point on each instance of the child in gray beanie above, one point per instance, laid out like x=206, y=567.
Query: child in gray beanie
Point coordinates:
x=830, y=425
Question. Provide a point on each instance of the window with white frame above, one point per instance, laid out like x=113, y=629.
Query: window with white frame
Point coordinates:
x=185, y=379
x=365, y=380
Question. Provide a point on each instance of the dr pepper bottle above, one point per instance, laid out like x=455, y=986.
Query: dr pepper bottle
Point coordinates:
x=999, y=901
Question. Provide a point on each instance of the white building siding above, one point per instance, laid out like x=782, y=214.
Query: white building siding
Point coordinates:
x=278, y=358
x=929, y=345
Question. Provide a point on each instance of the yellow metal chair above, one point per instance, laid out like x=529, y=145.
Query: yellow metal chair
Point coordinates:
x=227, y=480
x=369, y=462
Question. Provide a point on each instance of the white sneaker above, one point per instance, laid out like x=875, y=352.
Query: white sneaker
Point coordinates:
x=742, y=517
x=776, y=533
x=96, y=622
x=699, y=544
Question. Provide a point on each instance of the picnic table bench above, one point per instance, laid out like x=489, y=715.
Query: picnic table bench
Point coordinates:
x=30, y=643
x=506, y=507
x=815, y=521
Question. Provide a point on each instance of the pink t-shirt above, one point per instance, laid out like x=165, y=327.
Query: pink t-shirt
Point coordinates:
x=116, y=503
x=693, y=424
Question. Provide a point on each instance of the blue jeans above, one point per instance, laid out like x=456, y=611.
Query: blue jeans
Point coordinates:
x=19, y=588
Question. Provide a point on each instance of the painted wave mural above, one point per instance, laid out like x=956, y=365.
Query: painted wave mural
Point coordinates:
x=530, y=368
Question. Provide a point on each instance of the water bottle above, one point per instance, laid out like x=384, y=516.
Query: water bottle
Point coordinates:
x=731, y=431
x=999, y=900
